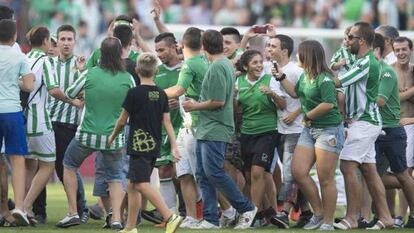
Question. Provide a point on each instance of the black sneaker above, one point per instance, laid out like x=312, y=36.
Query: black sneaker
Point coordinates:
x=363, y=223
x=96, y=212
x=152, y=216
x=410, y=222
x=69, y=221
x=373, y=222
x=303, y=219
x=281, y=220
x=108, y=218
x=41, y=219
x=85, y=217
x=115, y=225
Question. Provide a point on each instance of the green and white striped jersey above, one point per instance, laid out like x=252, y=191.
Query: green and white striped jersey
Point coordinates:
x=104, y=95
x=343, y=53
x=37, y=114
x=361, y=84
x=66, y=73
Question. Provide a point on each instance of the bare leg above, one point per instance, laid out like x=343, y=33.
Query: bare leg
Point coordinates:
x=38, y=183
x=134, y=205
x=189, y=192
x=18, y=179
x=146, y=190
x=257, y=185
x=116, y=195
x=353, y=191
x=71, y=186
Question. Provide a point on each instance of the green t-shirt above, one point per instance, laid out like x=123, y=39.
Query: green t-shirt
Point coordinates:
x=316, y=91
x=259, y=112
x=361, y=91
x=96, y=55
x=218, y=84
x=190, y=78
x=104, y=95
x=389, y=91
x=165, y=78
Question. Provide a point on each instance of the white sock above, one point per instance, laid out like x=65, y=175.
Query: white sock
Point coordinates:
x=230, y=212
x=167, y=190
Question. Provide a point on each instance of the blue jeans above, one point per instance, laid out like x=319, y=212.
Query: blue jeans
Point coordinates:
x=210, y=176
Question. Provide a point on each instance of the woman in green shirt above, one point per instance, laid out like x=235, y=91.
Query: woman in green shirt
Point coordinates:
x=258, y=96
x=322, y=138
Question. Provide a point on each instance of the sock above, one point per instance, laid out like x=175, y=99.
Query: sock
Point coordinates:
x=167, y=190
x=230, y=212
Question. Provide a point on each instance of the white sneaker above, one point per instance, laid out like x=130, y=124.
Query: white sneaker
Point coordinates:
x=20, y=217
x=246, y=219
x=205, y=225
x=189, y=222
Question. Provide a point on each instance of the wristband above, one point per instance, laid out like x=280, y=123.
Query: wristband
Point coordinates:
x=281, y=77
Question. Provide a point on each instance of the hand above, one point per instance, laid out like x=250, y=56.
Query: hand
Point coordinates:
x=275, y=73
x=81, y=95
x=406, y=121
x=250, y=33
x=188, y=105
x=403, y=89
x=110, y=30
x=342, y=62
x=307, y=123
x=157, y=10
x=77, y=103
x=173, y=103
x=81, y=63
x=271, y=30
x=289, y=118
x=175, y=154
x=266, y=90
x=111, y=139
x=135, y=26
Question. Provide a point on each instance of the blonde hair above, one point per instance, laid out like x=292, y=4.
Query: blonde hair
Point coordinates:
x=146, y=65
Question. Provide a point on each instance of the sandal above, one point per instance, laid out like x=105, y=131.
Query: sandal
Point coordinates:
x=4, y=222
x=343, y=225
x=378, y=226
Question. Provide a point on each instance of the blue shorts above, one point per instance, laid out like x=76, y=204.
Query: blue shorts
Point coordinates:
x=12, y=131
x=100, y=185
x=390, y=150
x=329, y=139
x=76, y=153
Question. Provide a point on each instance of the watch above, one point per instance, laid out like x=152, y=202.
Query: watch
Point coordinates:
x=281, y=78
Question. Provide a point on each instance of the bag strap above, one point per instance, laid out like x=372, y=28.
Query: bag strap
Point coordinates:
x=41, y=85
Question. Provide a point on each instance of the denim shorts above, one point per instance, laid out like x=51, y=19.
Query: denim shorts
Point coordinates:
x=100, y=184
x=329, y=139
x=12, y=131
x=76, y=153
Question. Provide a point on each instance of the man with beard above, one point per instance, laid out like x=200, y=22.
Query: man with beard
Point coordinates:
x=363, y=114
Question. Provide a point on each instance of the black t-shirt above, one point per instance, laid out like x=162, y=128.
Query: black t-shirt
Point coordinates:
x=146, y=106
x=130, y=68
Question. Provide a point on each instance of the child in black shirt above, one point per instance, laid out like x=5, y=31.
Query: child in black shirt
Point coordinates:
x=146, y=106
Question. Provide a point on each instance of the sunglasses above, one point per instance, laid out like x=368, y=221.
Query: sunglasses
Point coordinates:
x=351, y=37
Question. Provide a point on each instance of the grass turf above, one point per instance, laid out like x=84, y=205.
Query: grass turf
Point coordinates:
x=57, y=207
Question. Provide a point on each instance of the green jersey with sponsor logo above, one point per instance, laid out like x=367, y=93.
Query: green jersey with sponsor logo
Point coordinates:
x=389, y=91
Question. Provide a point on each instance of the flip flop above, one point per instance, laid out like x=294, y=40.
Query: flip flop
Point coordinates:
x=343, y=225
x=378, y=226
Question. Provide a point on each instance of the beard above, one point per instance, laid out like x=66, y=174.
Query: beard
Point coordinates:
x=354, y=49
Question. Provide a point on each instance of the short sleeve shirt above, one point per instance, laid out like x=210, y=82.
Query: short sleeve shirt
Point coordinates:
x=313, y=92
x=218, y=84
x=146, y=106
x=10, y=72
x=389, y=90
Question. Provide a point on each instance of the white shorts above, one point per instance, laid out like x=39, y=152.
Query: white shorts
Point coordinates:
x=186, y=144
x=359, y=146
x=42, y=147
x=409, y=152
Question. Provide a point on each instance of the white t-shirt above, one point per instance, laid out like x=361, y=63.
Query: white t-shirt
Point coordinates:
x=390, y=58
x=293, y=72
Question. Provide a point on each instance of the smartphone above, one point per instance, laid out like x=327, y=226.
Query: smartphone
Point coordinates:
x=275, y=65
x=260, y=29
